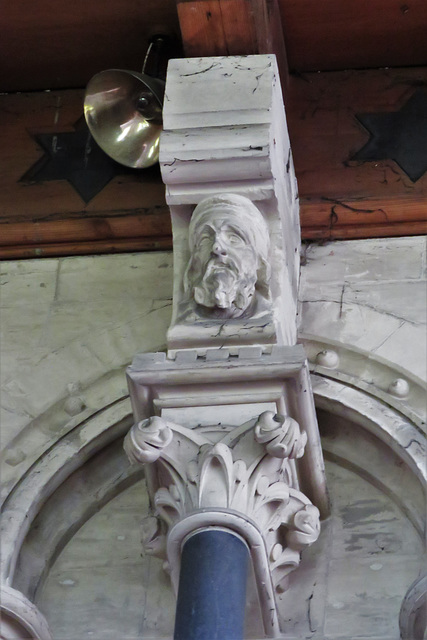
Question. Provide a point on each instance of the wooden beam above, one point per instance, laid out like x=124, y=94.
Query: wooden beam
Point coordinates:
x=63, y=44
x=79, y=248
x=104, y=227
x=367, y=218
x=232, y=27
x=354, y=34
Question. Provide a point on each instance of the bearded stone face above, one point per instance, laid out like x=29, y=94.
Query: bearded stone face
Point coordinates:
x=224, y=268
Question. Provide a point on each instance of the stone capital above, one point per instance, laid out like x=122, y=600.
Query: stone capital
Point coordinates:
x=241, y=478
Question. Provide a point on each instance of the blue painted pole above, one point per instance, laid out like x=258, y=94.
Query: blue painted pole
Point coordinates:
x=212, y=587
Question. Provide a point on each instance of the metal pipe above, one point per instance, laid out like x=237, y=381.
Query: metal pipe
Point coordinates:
x=212, y=586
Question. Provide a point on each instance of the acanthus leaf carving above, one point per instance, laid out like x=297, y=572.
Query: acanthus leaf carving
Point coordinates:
x=152, y=537
x=250, y=476
x=306, y=528
x=268, y=503
x=281, y=435
x=146, y=440
x=216, y=477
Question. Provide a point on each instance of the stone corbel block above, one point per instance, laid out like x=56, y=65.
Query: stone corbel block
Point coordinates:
x=225, y=134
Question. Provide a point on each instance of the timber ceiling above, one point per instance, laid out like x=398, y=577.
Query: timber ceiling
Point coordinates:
x=52, y=44
x=373, y=55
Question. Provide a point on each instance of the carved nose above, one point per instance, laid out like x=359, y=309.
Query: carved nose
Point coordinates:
x=218, y=249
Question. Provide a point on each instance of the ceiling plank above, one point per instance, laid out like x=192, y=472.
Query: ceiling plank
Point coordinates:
x=52, y=45
x=62, y=44
x=352, y=34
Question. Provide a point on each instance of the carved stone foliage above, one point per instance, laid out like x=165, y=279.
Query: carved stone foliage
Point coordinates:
x=281, y=435
x=248, y=470
x=145, y=441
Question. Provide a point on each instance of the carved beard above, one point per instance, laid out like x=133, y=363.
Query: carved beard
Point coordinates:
x=224, y=290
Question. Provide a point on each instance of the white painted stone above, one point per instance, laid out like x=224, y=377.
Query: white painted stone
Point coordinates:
x=407, y=346
x=402, y=298
x=130, y=596
x=328, y=358
x=20, y=618
x=228, y=273
x=368, y=294
x=34, y=416
x=236, y=143
x=375, y=376
x=413, y=613
x=281, y=378
x=257, y=482
x=243, y=477
x=362, y=261
x=89, y=319
x=28, y=283
x=399, y=387
x=371, y=598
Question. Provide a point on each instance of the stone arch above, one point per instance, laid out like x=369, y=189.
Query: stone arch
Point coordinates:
x=92, y=451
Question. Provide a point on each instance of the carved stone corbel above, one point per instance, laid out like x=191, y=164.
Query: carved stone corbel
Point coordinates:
x=227, y=164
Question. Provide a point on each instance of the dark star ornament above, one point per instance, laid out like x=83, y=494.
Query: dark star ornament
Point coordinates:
x=74, y=156
x=400, y=136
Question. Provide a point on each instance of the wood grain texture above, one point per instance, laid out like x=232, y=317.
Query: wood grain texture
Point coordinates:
x=232, y=27
x=81, y=248
x=339, y=198
x=325, y=133
x=52, y=44
x=62, y=44
x=216, y=27
x=350, y=34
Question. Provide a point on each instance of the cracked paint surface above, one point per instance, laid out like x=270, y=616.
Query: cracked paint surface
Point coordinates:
x=370, y=295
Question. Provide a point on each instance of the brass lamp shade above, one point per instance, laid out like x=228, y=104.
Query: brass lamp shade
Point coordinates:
x=123, y=110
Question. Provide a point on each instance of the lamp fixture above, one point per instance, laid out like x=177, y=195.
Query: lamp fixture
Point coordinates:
x=123, y=110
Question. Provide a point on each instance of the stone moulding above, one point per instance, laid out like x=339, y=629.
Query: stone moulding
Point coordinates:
x=413, y=612
x=47, y=473
x=53, y=467
x=394, y=434
x=373, y=375
x=20, y=618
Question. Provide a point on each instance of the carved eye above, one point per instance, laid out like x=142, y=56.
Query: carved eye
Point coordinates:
x=204, y=239
x=235, y=239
